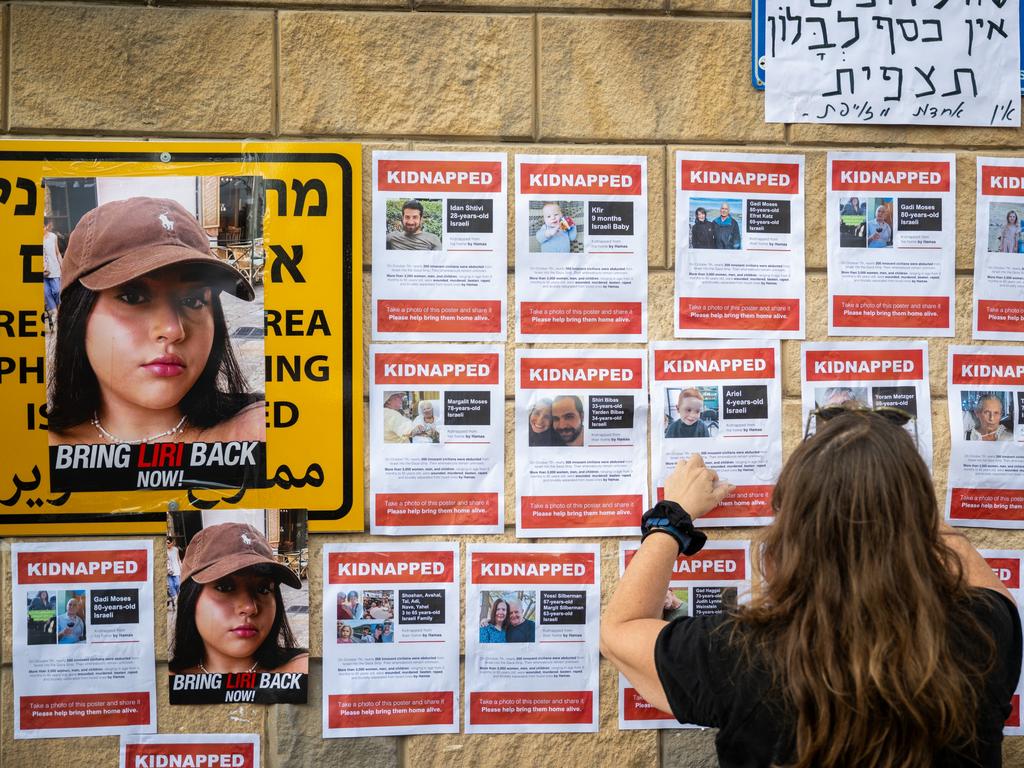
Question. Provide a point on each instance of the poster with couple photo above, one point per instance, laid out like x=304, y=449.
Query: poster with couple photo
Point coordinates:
x=437, y=445
x=998, y=309
x=82, y=638
x=739, y=228
x=581, y=441
x=390, y=639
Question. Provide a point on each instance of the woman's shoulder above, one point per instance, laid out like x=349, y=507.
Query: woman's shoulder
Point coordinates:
x=248, y=423
x=76, y=435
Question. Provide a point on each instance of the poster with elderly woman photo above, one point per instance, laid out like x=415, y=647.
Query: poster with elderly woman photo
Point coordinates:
x=238, y=618
x=152, y=381
x=437, y=439
x=986, y=406
x=998, y=310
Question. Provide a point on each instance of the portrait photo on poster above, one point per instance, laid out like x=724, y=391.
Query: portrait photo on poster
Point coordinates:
x=238, y=606
x=155, y=367
x=557, y=226
x=414, y=224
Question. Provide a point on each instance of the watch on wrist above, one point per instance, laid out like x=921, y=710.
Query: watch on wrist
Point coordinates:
x=668, y=517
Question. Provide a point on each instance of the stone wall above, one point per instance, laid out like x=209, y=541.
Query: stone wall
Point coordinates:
x=604, y=76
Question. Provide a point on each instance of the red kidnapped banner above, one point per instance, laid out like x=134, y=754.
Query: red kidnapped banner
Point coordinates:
x=581, y=511
x=890, y=175
x=580, y=178
x=739, y=314
x=985, y=370
x=84, y=710
x=431, y=368
x=386, y=567
x=865, y=365
x=1006, y=569
x=732, y=363
x=735, y=176
x=1002, y=180
x=531, y=708
x=532, y=568
x=99, y=566
x=213, y=754
x=707, y=565
x=986, y=504
x=569, y=373
x=383, y=710
x=439, y=176
x=445, y=509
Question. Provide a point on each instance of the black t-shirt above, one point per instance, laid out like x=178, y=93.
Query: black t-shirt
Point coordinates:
x=706, y=684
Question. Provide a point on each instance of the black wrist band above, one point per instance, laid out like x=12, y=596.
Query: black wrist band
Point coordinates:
x=669, y=517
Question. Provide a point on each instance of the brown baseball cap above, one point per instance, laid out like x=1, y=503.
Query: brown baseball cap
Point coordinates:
x=125, y=239
x=218, y=550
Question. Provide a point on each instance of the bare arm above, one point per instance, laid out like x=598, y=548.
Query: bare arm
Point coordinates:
x=632, y=620
x=977, y=571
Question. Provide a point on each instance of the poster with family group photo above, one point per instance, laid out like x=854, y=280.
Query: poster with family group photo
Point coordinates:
x=581, y=442
x=891, y=220
x=986, y=425
x=581, y=247
x=889, y=377
x=440, y=245
x=739, y=245
x=723, y=400
x=437, y=439
x=532, y=630
x=709, y=583
x=190, y=750
x=999, y=250
x=238, y=606
x=82, y=638
x=1006, y=565
x=391, y=639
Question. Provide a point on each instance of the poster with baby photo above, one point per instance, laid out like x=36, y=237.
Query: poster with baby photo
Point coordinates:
x=581, y=247
x=998, y=309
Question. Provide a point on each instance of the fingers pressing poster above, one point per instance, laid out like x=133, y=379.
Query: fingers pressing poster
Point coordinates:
x=440, y=253
x=532, y=630
x=739, y=245
x=723, y=400
x=890, y=378
x=709, y=583
x=986, y=425
x=191, y=750
x=84, y=660
x=238, y=613
x=891, y=222
x=1006, y=565
x=391, y=639
x=581, y=442
x=581, y=248
x=999, y=250
x=437, y=439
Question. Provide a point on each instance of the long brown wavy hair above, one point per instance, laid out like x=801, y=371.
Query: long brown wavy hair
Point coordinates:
x=860, y=599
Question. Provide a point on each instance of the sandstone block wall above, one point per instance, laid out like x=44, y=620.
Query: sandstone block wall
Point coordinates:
x=590, y=76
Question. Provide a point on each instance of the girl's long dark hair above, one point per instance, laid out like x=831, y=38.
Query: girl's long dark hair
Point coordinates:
x=188, y=649
x=865, y=619
x=218, y=394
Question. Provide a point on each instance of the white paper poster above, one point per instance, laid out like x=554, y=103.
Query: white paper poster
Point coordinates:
x=437, y=439
x=875, y=374
x=84, y=659
x=891, y=222
x=440, y=245
x=998, y=303
x=581, y=442
x=714, y=580
x=1006, y=565
x=937, y=63
x=739, y=245
x=581, y=248
x=191, y=750
x=532, y=636
x=723, y=400
x=391, y=639
x=985, y=487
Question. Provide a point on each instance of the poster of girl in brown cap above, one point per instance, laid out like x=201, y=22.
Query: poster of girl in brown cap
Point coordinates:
x=149, y=386
x=238, y=629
